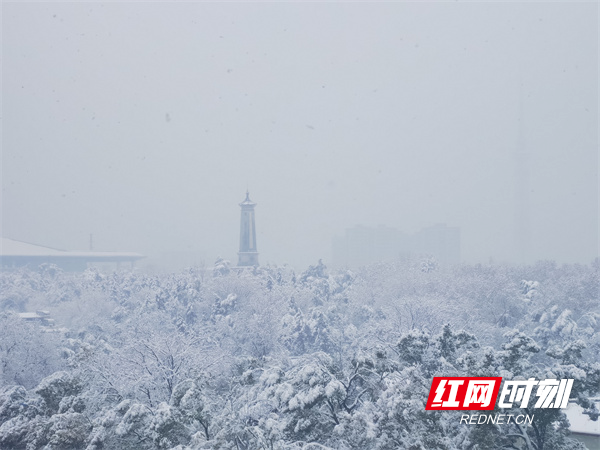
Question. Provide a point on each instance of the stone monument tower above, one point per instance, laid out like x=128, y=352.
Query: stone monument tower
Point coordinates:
x=248, y=256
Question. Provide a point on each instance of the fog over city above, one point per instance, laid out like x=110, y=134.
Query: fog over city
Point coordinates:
x=144, y=124
x=299, y=226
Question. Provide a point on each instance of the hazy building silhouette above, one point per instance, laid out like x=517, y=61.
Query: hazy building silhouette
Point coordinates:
x=522, y=221
x=440, y=241
x=363, y=245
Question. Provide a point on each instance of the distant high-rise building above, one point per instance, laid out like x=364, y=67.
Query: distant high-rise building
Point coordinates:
x=364, y=245
x=522, y=227
x=439, y=241
x=248, y=256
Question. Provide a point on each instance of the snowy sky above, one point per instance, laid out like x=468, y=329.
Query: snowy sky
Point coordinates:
x=144, y=123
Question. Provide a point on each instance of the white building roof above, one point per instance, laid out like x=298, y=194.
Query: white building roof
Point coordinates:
x=12, y=248
x=580, y=423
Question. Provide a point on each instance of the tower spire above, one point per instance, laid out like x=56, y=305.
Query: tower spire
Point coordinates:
x=248, y=255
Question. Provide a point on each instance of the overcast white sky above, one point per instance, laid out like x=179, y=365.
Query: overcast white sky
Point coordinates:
x=144, y=123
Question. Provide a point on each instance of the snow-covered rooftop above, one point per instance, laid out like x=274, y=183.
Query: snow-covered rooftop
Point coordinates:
x=580, y=423
x=12, y=248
